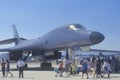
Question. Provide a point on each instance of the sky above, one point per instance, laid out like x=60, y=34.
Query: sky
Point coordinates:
x=34, y=18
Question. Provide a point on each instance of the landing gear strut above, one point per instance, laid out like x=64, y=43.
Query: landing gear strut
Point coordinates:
x=25, y=58
x=69, y=55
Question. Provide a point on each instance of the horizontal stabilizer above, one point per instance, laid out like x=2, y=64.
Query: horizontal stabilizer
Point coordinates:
x=23, y=39
x=8, y=41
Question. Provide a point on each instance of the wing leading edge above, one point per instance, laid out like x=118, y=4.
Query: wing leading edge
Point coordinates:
x=5, y=49
x=9, y=41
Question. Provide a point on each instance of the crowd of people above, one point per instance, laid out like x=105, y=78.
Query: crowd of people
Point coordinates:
x=5, y=68
x=96, y=67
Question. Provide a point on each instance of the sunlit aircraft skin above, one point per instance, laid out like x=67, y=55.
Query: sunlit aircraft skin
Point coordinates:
x=61, y=37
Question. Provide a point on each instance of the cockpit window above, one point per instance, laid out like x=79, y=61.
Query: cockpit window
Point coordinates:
x=75, y=27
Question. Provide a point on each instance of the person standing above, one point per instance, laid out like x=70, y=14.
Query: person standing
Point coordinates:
x=8, y=68
x=85, y=69
x=108, y=69
x=3, y=67
x=104, y=68
x=20, y=65
x=61, y=68
x=94, y=61
x=67, y=67
x=98, y=68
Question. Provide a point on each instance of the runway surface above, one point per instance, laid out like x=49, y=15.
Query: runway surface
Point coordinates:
x=49, y=75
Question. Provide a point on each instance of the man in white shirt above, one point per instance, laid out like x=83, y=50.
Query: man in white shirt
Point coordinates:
x=20, y=65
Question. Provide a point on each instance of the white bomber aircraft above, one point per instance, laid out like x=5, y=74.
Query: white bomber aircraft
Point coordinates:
x=48, y=46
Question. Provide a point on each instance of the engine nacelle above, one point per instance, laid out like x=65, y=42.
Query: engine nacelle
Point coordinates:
x=49, y=55
x=15, y=55
x=52, y=55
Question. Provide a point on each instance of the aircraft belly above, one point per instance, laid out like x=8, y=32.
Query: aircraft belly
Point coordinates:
x=27, y=47
x=65, y=44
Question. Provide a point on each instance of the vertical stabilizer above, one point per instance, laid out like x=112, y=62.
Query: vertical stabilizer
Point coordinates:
x=16, y=34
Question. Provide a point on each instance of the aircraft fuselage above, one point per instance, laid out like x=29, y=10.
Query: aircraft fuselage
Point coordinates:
x=62, y=37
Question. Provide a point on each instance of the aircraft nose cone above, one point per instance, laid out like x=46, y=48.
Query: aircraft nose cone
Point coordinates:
x=96, y=37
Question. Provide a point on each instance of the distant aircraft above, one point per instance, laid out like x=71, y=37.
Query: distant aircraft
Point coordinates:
x=48, y=46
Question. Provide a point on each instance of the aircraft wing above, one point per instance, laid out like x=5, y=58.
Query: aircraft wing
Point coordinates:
x=8, y=41
x=5, y=49
x=98, y=50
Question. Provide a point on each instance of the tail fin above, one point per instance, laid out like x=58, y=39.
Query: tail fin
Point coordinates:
x=16, y=38
x=16, y=34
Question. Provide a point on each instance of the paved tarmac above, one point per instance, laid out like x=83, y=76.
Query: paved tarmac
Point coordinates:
x=49, y=75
